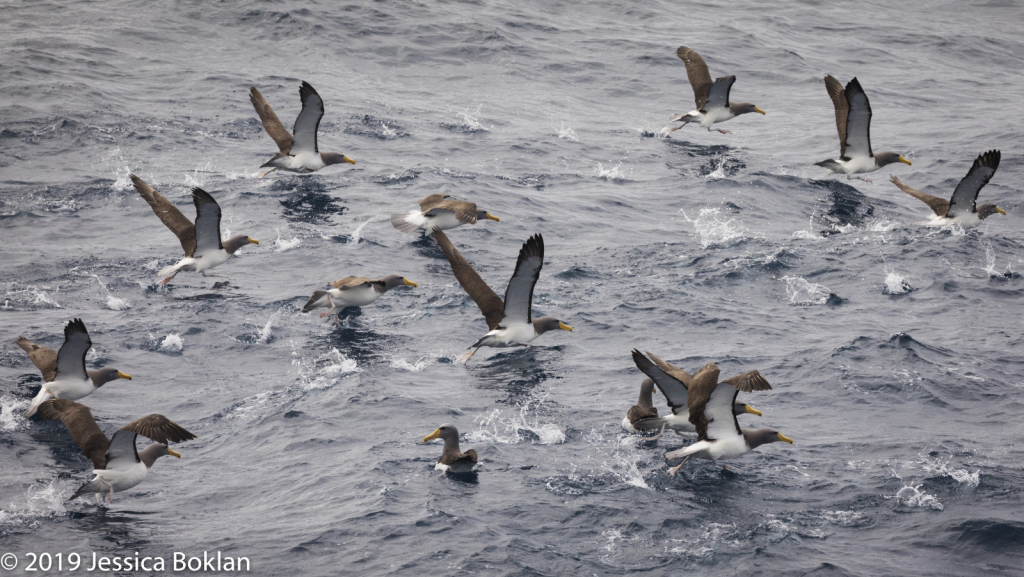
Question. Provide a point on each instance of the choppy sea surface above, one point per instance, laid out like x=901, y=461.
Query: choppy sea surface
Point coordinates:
x=894, y=350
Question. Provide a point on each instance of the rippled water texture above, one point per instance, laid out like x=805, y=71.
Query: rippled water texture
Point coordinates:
x=893, y=350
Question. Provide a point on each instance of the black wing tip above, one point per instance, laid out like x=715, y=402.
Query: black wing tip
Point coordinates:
x=641, y=361
x=305, y=90
x=534, y=246
x=75, y=326
x=989, y=159
x=726, y=78
x=854, y=86
x=200, y=195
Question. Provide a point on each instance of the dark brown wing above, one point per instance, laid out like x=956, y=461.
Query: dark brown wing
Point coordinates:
x=674, y=371
x=941, y=207
x=749, y=382
x=349, y=282
x=271, y=123
x=43, y=358
x=638, y=413
x=159, y=428
x=702, y=385
x=454, y=457
x=837, y=92
x=697, y=73
x=169, y=214
x=489, y=302
x=432, y=201
x=464, y=211
x=84, y=431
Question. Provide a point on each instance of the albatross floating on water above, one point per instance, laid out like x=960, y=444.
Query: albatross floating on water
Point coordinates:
x=712, y=98
x=712, y=412
x=201, y=241
x=119, y=465
x=674, y=383
x=437, y=212
x=962, y=208
x=353, y=291
x=853, y=121
x=298, y=151
x=452, y=460
x=510, y=321
x=64, y=372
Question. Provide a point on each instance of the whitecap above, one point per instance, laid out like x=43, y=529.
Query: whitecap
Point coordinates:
x=11, y=409
x=895, y=283
x=323, y=371
x=713, y=229
x=804, y=292
x=172, y=343
x=496, y=427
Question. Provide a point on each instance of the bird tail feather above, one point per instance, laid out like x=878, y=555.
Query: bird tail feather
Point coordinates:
x=41, y=398
x=405, y=222
x=687, y=451
x=314, y=301
x=94, y=486
x=174, y=268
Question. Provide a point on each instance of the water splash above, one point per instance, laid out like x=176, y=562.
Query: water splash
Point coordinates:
x=323, y=371
x=267, y=332
x=113, y=303
x=357, y=234
x=495, y=427
x=420, y=364
x=469, y=119
x=387, y=132
x=566, y=133
x=718, y=172
x=613, y=173
x=45, y=500
x=804, y=292
x=172, y=343
x=911, y=495
x=895, y=283
x=37, y=295
x=197, y=177
x=713, y=229
x=281, y=245
x=11, y=409
x=961, y=476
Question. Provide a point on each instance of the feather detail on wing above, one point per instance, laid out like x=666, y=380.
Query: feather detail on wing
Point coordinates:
x=838, y=95
x=965, y=197
x=159, y=428
x=519, y=293
x=71, y=357
x=308, y=121
x=79, y=422
x=169, y=214
x=697, y=73
x=43, y=358
x=271, y=123
x=940, y=206
x=207, y=222
x=465, y=212
x=487, y=300
x=675, y=390
x=433, y=201
x=350, y=282
x=671, y=369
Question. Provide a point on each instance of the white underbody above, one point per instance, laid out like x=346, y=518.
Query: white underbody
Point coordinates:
x=66, y=388
x=122, y=479
x=678, y=423
x=966, y=220
x=510, y=336
x=457, y=467
x=706, y=119
x=351, y=297
x=728, y=448
x=856, y=165
x=300, y=162
x=445, y=220
x=202, y=263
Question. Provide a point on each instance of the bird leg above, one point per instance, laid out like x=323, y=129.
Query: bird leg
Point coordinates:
x=215, y=275
x=262, y=174
x=658, y=436
x=852, y=177
x=673, y=470
x=723, y=131
x=464, y=358
x=111, y=496
x=333, y=306
x=168, y=279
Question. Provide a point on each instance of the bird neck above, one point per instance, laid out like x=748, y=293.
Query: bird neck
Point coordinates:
x=150, y=454
x=234, y=243
x=759, y=437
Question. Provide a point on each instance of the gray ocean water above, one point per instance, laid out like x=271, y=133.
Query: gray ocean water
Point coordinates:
x=894, y=350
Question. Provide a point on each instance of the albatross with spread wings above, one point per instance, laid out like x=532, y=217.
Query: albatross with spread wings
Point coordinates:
x=119, y=466
x=711, y=98
x=203, y=248
x=853, y=121
x=64, y=372
x=438, y=212
x=353, y=291
x=712, y=413
x=674, y=383
x=510, y=321
x=297, y=151
x=963, y=207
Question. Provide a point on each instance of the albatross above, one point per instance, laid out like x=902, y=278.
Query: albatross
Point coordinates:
x=452, y=460
x=64, y=372
x=203, y=248
x=510, y=321
x=437, y=212
x=353, y=291
x=712, y=98
x=963, y=207
x=853, y=121
x=297, y=151
x=712, y=412
x=674, y=383
x=119, y=466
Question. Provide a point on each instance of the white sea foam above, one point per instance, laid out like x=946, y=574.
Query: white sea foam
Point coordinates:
x=713, y=229
x=613, y=173
x=961, y=476
x=911, y=495
x=566, y=133
x=172, y=343
x=420, y=364
x=323, y=371
x=37, y=296
x=282, y=245
x=496, y=427
x=469, y=119
x=843, y=518
x=267, y=331
x=895, y=283
x=357, y=234
x=41, y=500
x=718, y=172
x=11, y=409
x=197, y=177
x=804, y=292
x=387, y=132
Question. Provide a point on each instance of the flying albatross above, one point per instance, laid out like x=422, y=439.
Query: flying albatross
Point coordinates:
x=298, y=151
x=452, y=460
x=712, y=412
x=119, y=465
x=437, y=212
x=353, y=291
x=64, y=372
x=712, y=98
x=674, y=383
x=510, y=321
x=853, y=121
x=203, y=248
x=962, y=208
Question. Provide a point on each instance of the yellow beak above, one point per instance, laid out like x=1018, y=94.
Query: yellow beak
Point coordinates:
x=785, y=439
x=564, y=326
x=492, y=217
x=253, y=241
x=753, y=411
x=409, y=282
x=121, y=375
x=173, y=453
x=435, y=435
x=347, y=159
x=999, y=210
x=905, y=161
x=756, y=109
